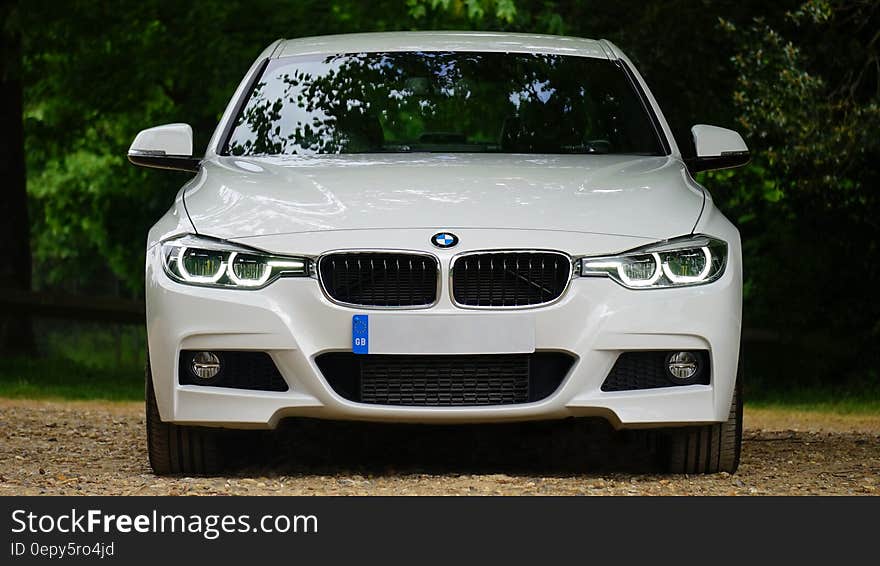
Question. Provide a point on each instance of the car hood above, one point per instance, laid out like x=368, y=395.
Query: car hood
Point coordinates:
x=651, y=197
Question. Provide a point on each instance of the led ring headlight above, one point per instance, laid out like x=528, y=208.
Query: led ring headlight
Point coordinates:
x=689, y=260
x=633, y=282
x=193, y=278
x=196, y=260
x=265, y=272
x=685, y=279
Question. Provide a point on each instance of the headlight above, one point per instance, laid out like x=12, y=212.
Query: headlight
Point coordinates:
x=196, y=260
x=690, y=260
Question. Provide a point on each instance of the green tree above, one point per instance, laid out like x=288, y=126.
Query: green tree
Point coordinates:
x=807, y=97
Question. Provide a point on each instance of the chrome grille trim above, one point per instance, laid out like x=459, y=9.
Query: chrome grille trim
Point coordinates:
x=567, y=260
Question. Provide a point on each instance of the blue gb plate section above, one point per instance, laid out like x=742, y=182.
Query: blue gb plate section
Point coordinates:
x=360, y=334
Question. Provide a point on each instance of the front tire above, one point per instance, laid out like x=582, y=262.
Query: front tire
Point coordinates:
x=178, y=449
x=712, y=448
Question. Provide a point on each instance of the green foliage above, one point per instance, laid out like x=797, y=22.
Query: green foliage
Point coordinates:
x=809, y=199
x=503, y=10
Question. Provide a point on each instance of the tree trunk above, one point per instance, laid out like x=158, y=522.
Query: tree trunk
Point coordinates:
x=16, y=332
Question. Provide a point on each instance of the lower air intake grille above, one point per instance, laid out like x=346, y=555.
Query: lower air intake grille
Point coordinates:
x=647, y=370
x=238, y=370
x=444, y=381
x=377, y=279
x=509, y=279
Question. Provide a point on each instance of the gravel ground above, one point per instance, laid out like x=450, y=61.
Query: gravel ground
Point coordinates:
x=98, y=448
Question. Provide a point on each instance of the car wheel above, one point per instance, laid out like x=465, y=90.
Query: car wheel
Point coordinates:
x=709, y=449
x=178, y=449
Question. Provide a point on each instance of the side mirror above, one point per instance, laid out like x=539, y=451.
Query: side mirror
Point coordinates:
x=165, y=147
x=717, y=148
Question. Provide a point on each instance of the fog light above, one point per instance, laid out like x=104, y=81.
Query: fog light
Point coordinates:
x=205, y=365
x=682, y=366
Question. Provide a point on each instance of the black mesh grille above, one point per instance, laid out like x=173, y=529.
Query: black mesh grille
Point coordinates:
x=239, y=370
x=509, y=279
x=647, y=370
x=444, y=381
x=380, y=279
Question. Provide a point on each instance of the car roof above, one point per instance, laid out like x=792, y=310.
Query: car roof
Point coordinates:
x=442, y=41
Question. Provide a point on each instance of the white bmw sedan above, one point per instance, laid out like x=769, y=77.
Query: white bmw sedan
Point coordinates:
x=443, y=228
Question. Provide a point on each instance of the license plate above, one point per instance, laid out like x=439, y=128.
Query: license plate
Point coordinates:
x=497, y=333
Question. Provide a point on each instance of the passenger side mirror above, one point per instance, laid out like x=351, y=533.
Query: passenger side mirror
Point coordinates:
x=717, y=148
x=165, y=147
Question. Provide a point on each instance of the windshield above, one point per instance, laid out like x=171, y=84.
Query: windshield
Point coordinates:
x=442, y=102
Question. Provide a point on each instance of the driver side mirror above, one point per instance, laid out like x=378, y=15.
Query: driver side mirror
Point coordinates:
x=717, y=148
x=165, y=147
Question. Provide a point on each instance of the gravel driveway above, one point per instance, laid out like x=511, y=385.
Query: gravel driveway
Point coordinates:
x=98, y=448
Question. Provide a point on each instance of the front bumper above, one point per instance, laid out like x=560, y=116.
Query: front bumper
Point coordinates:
x=294, y=322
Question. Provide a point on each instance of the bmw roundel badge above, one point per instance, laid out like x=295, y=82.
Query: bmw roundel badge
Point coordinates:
x=444, y=240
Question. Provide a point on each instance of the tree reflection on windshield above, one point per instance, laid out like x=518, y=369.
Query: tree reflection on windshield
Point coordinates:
x=442, y=102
